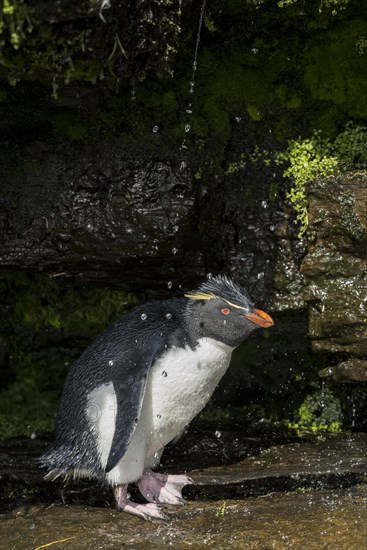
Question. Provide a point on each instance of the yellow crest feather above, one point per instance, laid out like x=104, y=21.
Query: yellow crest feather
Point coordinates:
x=233, y=305
x=199, y=296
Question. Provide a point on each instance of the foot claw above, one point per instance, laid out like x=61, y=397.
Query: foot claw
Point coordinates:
x=163, y=488
x=167, y=496
x=180, y=480
x=146, y=511
x=174, y=479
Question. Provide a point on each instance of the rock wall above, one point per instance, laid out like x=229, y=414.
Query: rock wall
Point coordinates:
x=104, y=215
x=335, y=273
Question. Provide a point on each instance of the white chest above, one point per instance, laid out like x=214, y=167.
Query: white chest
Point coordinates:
x=179, y=386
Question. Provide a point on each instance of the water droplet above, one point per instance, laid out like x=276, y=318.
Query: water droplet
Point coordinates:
x=155, y=129
x=169, y=285
x=174, y=251
x=164, y=374
x=218, y=434
x=144, y=316
x=168, y=315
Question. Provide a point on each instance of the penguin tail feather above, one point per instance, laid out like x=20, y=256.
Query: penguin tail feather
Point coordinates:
x=61, y=468
x=74, y=474
x=53, y=474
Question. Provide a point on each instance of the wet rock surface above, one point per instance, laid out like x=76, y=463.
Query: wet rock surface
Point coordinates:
x=335, y=269
x=101, y=214
x=252, y=490
x=323, y=519
x=351, y=370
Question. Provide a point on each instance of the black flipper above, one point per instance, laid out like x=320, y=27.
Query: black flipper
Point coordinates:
x=130, y=392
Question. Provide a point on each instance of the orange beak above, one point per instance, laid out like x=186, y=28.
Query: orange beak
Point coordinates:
x=260, y=318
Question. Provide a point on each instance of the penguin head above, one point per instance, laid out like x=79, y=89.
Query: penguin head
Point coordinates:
x=222, y=310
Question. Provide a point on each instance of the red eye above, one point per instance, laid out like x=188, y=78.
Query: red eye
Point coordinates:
x=225, y=311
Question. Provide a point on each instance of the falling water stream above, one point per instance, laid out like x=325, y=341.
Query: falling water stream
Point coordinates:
x=191, y=90
x=193, y=76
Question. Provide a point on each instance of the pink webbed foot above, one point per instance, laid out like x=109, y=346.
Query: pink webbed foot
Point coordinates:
x=163, y=488
x=146, y=511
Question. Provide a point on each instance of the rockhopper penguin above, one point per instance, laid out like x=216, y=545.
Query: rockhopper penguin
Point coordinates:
x=140, y=383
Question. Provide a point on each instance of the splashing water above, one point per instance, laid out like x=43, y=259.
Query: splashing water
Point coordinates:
x=192, y=81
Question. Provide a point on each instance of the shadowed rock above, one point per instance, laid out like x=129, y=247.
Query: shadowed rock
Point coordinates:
x=351, y=370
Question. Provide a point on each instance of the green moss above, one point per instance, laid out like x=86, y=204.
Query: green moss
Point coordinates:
x=217, y=119
x=308, y=159
x=15, y=21
x=41, y=302
x=68, y=124
x=318, y=157
x=320, y=412
x=334, y=5
x=24, y=410
x=235, y=166
x=350, y=147
x=169, y=104
x=254, y=112
x=335, y=69
x=45, y=324
x=36, y=50
x=78, y=46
